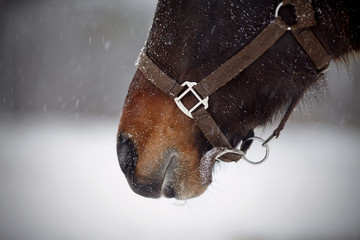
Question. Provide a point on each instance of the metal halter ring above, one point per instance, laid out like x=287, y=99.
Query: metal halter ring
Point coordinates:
x=277, y=9
x=277, y=13
x=264, y=144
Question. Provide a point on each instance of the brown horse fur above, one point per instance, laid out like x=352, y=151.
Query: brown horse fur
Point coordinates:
x=188, y=40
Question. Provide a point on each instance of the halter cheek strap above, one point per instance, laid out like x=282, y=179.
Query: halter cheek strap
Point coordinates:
x=232, y=67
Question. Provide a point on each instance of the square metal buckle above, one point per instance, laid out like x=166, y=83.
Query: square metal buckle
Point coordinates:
x=190, y=88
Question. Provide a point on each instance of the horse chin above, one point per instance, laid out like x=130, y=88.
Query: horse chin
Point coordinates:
x=171, y=173
x=170, y=177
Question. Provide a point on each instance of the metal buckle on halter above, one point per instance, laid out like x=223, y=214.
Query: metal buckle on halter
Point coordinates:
x=190, y=88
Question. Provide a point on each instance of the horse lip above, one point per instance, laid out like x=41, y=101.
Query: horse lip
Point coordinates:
x=168, y=181
x=163, y=184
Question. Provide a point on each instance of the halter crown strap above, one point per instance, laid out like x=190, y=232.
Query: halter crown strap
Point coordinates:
x=313, y=48
x=228, y=71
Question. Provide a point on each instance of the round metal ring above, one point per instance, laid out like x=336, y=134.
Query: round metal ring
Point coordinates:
x=263, y=144
x=278, y=9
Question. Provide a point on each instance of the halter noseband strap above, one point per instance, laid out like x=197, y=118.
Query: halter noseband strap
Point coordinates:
x=231, y=68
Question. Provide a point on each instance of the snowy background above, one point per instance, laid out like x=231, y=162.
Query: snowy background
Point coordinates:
x=65, y=67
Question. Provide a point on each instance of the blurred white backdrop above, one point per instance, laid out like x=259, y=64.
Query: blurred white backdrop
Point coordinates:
x=65, y=67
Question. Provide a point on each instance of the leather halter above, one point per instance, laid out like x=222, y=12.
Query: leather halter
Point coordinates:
x=232, y=67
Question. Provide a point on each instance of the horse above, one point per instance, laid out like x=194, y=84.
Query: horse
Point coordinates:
x=165, y=149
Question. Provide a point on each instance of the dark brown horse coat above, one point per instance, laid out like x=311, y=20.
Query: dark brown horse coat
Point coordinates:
x=159, y=148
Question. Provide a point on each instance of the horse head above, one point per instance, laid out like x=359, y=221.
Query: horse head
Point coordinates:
x=161, y=151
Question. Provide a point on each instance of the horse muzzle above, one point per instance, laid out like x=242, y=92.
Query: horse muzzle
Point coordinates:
x=152, y=180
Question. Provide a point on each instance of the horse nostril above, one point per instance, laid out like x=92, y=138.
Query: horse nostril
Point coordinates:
x=126, y=152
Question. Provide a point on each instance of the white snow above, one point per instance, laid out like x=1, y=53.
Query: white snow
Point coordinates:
x=60, y=179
